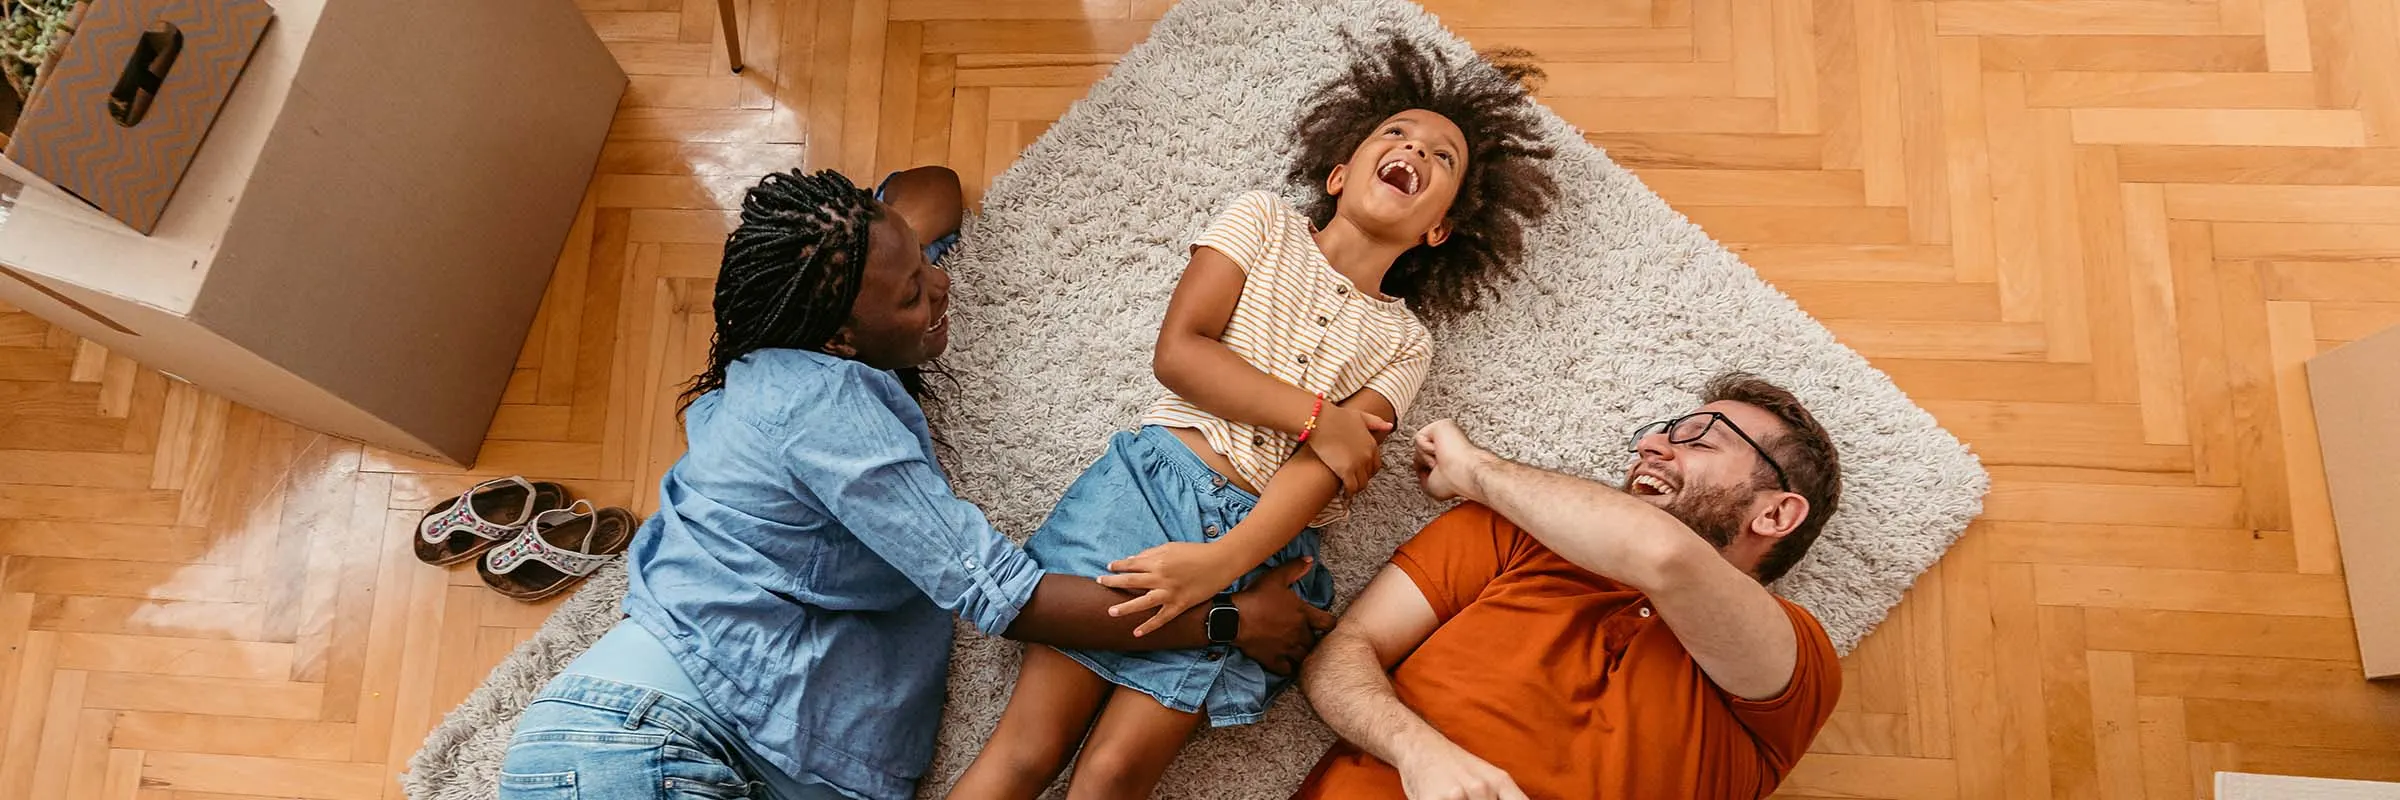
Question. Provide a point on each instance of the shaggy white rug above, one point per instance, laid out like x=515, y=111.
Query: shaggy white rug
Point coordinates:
x=1625, y=308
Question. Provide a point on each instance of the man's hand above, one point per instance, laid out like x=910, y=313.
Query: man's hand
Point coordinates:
x=1447, y=461
x=1445, y=771
x=1279, y=628
x=1345, y=441
x=1172, y=578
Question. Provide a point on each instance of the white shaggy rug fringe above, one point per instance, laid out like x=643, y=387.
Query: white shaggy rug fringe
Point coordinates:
x=1624, y=310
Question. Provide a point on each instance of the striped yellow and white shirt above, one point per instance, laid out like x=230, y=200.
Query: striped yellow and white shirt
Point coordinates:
x=1304, y=323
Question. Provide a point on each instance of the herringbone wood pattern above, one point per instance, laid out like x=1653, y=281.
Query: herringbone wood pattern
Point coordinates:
x=2095, y=237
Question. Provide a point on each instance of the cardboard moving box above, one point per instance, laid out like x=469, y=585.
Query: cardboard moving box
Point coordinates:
x=2356, y=392
x=362, y=239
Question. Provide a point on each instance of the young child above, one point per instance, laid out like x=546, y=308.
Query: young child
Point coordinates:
x=1289, y=347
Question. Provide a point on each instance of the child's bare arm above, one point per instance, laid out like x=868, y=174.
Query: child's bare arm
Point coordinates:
x=1176, y=576
x=1192, y=361
x=1299, y=489
x=1191, y=358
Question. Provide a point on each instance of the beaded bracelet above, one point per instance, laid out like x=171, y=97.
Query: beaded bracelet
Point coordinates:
x=1313, y=411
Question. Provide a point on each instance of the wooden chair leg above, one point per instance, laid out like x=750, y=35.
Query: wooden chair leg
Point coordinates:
x=733, y=33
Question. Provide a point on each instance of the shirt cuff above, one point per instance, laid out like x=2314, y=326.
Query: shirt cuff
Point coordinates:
x=1000, y=588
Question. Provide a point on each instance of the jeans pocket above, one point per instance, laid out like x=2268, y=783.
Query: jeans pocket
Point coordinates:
x=581, y=765
x=689, y=772
x=537, y=786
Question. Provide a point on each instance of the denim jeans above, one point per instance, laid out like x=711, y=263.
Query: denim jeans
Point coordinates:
x=590, y=739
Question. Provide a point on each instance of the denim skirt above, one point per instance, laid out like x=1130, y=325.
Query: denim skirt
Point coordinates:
x=1147, y=490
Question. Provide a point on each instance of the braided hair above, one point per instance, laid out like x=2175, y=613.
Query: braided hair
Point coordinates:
x=792, y=269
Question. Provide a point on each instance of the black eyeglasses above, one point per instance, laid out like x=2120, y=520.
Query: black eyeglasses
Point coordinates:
x=1691, y=427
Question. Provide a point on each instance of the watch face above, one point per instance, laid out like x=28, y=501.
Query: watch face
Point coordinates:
x=1224, y=622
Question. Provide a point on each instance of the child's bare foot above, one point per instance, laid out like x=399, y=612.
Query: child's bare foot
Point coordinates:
x=930, y=198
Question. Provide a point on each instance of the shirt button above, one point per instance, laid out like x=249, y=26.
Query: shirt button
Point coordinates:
x=1259, y=440
x=1324, y=321
x=1303, y=358
x=1645, y=612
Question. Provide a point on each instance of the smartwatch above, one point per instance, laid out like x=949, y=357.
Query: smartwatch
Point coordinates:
x=1224, y=621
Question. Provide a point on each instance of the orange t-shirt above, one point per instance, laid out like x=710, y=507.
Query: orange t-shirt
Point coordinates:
x=1566, y=681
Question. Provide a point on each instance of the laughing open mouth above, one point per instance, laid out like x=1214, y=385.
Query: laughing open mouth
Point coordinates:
x=1400, y=175
x=1648, y=485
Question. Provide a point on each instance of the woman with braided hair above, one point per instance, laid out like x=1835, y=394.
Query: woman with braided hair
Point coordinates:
x=788, y=622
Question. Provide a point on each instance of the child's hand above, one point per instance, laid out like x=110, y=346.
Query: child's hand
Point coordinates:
x=1173, y=577
x=1345, y=441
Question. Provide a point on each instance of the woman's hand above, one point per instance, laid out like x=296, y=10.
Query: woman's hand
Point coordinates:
x=1172, y=577
x=1345, y=441
x=1279, y=628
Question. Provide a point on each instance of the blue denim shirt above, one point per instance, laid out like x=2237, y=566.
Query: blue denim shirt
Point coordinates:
x=804, y=564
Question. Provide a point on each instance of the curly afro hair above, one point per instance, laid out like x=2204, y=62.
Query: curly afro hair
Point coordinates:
x=1504, y=186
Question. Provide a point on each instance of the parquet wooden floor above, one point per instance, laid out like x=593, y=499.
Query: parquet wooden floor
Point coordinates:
x=2095, y=237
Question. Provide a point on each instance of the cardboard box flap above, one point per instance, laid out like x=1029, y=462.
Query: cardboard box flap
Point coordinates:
x=2356, y=393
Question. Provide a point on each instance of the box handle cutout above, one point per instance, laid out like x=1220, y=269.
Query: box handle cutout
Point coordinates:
x=153, y=55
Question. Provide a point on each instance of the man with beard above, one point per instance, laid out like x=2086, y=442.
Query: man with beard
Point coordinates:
x=1560, y=638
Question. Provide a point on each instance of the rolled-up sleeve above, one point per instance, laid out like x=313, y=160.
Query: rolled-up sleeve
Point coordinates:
x=873, y=475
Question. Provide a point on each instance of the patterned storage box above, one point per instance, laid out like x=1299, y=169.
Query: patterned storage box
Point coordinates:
x=119, y=117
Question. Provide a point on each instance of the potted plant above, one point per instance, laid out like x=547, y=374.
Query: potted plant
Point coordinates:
x=31, y=32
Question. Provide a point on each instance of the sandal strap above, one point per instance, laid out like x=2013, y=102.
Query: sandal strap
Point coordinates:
x=461, y=518
x=534, y=547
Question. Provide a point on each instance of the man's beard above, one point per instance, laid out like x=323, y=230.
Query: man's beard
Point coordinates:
x=1716, y=513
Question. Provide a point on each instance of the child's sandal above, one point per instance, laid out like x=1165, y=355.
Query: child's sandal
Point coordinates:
x=484, y=515
x=564, y=546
